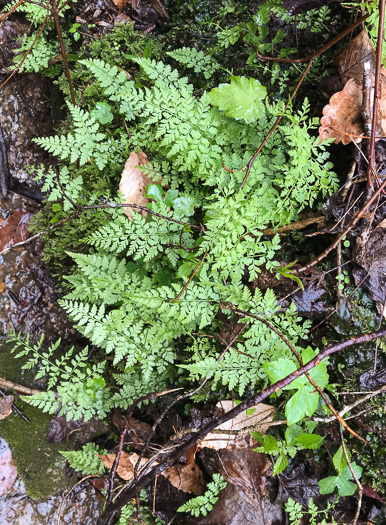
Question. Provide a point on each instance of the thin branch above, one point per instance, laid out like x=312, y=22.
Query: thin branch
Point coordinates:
x=95, y=207
x=377, y=92
x=360, y=488
x=190, y=278
x=55, y=13
x=18, y=388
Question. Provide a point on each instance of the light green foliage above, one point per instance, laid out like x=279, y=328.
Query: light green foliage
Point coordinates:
x=241, y=99
x=132, y=292
x=295, y=439
x=86, y=460
x=196, y=60
x=71, y=186
x=40, y=55
x=305, y=401
x=80, y=387
x=314, y=515
x=85, y=144
x=204, y=504
x=343, y=481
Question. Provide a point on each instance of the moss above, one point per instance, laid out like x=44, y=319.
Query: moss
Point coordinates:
x=38, y=463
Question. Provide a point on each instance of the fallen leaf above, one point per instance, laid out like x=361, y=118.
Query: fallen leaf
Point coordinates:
x=244, y=500
x=121, y=4
x=2, y=287
x=346, y=108
x=14, y=229
x=188, y=478
x=237, y=430
x=8, y=472
x=126, y=464
x=6, y=406
x=343, y=113
x=350, y=62
x=134, y=181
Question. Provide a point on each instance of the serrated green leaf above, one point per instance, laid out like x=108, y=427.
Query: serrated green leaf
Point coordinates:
x=270, y=445
x=280, y=464
x=339, y=460
x=155, y=191
x=241, y=99
x=310, y=441
x=327, y=485
x=303, y=403
x=185, y=203
x=170, y=196
x=291, y=433
x=102, y=112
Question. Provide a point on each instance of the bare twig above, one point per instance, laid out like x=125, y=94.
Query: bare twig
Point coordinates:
x=18, y=388
x=95, y=207
x=360, y=488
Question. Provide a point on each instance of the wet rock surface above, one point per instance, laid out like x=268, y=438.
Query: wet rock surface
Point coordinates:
x=80, y=506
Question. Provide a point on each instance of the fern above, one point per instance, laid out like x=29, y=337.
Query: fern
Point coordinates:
x=80, y=388
x=86, y=460
x=196, y=60
x=204, y=504
x=86, y=144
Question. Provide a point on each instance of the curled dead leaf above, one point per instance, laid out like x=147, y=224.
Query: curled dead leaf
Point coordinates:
x=126, y=464
x=343, y=113
x=188, y=478
x=134, y=181
x=347, y=109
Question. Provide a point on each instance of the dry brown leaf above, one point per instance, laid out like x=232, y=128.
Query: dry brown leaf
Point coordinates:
x=343, y=113
x=259, y=420
x=2, y=287
x=121, y=4
x=188, y=478
x=6, y=406
x=126, y=464
x=134, y=181
x=345, y=109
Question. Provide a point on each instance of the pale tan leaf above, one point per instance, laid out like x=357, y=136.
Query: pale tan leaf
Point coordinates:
x=343, y=113
x=237, y=430
x=134, y=181
x=6, y=406
x=188, y=478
